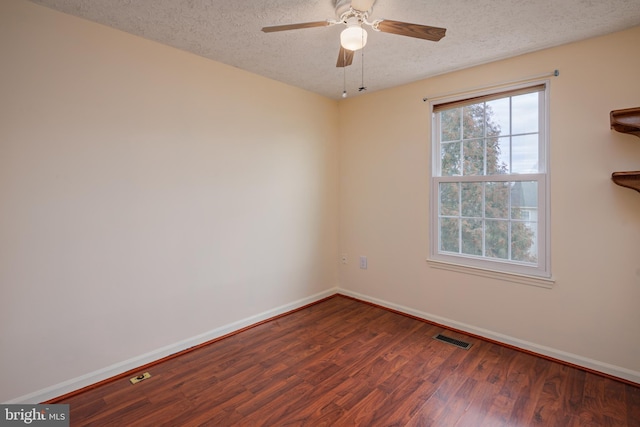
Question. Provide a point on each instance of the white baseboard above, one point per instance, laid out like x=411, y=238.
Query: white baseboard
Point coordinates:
x=133, y=363
x=563, y=356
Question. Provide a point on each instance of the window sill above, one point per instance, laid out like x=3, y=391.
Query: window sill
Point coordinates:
x=499, y=275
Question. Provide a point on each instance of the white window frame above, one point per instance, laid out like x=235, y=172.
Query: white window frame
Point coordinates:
x=538, y=274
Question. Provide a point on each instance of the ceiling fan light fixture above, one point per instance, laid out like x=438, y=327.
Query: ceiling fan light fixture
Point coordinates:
x=353, y=38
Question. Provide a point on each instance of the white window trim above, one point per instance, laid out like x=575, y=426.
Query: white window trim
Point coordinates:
x=523, y=279
x=499, y=269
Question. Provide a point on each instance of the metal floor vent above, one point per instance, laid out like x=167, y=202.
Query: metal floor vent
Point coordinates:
x=461, y=344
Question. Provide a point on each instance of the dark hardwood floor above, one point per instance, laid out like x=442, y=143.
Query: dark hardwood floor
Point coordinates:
x=342, y=362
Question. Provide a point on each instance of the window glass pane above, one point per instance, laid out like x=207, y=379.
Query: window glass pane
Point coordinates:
x=524, y=110
x=450, y=125
x=472, y=236
x=524, y=154
x=497, y=239
x=449, y=201
x=472, y=199
x=524, y=237
x=473, y=157
x=496, y=200
x=498, y=153
x=524, y=200
x=449, y=232
x=450, y=158
x=498, y=117
x=473, y=121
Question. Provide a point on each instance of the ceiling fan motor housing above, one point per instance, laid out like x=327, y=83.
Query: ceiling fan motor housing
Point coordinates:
x=344, y=6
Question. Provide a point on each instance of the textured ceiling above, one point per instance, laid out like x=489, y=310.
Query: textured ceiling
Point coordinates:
x=478, y=31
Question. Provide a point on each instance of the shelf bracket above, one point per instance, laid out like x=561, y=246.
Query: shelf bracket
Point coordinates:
x=626, y=121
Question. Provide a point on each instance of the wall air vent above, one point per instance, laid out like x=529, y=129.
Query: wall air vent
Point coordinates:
x=453, y=341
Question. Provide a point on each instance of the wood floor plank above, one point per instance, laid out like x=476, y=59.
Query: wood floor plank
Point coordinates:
x=551, y=407
x=343, y=362
x=632, y=400
x=536, y=378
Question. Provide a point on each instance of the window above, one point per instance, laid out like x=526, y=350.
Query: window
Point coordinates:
x=489, y=195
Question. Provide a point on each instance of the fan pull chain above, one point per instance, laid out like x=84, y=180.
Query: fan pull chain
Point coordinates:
x=344, y=73
x=361, y=88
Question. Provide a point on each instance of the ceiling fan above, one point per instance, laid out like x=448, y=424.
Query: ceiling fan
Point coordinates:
x=354, y=14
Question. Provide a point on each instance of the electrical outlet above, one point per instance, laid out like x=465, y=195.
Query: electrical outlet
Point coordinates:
x=344, y=259
x=363, y=262
x=140, y=377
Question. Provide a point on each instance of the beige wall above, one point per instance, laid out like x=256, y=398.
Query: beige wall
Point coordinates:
x=592, y=312
x=147, y=196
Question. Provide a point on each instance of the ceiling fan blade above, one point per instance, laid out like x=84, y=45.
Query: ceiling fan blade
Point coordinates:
x=295, y=26
x=362, y=5
x=345, y=57
x=411, y=30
